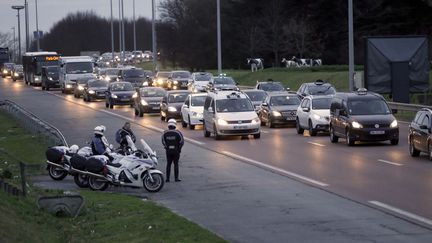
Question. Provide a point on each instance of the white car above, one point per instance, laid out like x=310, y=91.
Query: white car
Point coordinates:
x=313, y=114
x=192, y=110
x=199, y=81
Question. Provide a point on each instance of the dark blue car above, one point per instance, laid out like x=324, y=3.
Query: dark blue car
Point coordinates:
x=120, y=93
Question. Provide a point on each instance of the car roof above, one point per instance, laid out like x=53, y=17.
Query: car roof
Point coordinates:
x=359, y=95
x=198, y=94
x=280, y=93
x=319, y=96
x=225, y=93
x=269, y=82
x=177, y=91
x=253, y=90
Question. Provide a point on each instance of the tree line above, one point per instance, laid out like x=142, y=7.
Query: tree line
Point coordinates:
x=272, y=29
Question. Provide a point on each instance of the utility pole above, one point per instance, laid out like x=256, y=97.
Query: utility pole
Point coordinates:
x=350, y=45
x=18, y=8
x=120, y=31
x=26, y=25
x=155, y=66
x=134, y=29
x=37, y=28
x=219, y=44
x=14, y=46
x=123, y=31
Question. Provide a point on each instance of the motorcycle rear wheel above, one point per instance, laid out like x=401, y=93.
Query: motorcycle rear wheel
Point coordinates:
x=156, y=185
x=56, y=173
x=97, y=184
x=81, y=180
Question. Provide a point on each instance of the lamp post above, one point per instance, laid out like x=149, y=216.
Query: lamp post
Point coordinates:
x=134, y=29
x=120, y=31
x=219, y=45
x=26, y=25
x=112, y=34
x=350, y=46
x=14, y=45
x=18, y=8
x=37, y=28
x=155, y=67
x=123, y=31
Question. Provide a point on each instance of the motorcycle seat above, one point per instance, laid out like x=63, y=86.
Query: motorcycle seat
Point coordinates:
x=114, y=165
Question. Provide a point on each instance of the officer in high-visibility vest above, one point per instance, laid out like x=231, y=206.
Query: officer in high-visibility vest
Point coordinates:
x=173, y=141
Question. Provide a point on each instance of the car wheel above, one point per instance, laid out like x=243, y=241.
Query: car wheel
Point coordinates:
x=270, y=123
x=312, y=131
x=106, y=105
x=184, y=124
x=111, y=105
x=140, y=113
x=63, y=91
x=47, y=88
x=162, y=117
x=430, y=151
x=257, y=136
x=299, y=129
x=412, y=150
x=216, y=134
x=349, y=141
x=136, y=111
x=206, y=133
x=333, y=137
x=43, y=87
x=191, y=127
x=394, y=141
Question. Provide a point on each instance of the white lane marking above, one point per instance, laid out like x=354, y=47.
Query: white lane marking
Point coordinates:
x=265, y=131
x=194, y=141
x=402, y=212
x=117, y=115
x=272, y=168
x=317, y=144
x=155, y=128
x=389, y=162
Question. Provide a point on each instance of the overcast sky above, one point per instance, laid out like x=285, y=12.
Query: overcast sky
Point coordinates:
x=51, y=11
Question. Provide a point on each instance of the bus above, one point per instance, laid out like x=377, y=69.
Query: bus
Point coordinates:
x=4, y=56
x=34, y=61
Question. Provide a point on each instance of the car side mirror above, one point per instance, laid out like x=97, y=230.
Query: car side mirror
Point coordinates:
x=210, y=109
x=394, y=111
x=264, y=104
x=306, y=109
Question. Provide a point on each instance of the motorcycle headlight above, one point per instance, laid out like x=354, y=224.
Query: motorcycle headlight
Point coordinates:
x=222, y=122
x=92, y=92
x=276, y=113
x=256, y=120
x=135, y=95
x=50, y=79
x=114, y=96
x=394, y=124
x=80, y=87
x=143, y=102
x=316, y=116
x=172, y=109
x=356, y=125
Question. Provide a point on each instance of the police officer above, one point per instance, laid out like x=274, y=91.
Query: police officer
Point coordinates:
x=172, y=140
x=123, y=132
x=99, y=143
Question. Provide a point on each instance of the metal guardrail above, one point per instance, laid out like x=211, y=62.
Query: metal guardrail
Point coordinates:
x=407, y=107
x=32, y=123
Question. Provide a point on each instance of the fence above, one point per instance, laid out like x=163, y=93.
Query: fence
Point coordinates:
x=33, y=124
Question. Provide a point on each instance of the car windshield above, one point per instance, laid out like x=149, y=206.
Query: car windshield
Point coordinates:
x=198, y=100
x=122, y=87
x=133, y=73
x=146, y=92
x=98, y=83
x=284, y=100
x=111, y=72
x=181, y=75
x=368, y=107
x=203, y=77
x=82, y=81
x=272, y=87
x=163, y=75
x=234, y=105
x=79, y=67
x=321, y=104
x=256, y=95
x=321, y=90
x=224, y=81
x=20, y=68
x=177, y=97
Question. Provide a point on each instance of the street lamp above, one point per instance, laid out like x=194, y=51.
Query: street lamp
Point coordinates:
x=134, y=29
x=37, y=28
x=26, y=24
x=350, y=46
x=14, y=45
x=112, y=34
x=219, y=51
x=155, y=67
x=18, y=8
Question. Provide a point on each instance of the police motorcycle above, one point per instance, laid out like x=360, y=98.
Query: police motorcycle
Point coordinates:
x=135, y=170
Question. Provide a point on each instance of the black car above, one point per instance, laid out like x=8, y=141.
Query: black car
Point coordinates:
x=120, y=93
x=148, y=100
x=419, y=134
x=110, y=74
x=170, y=106
x=95, y=90
x=318, y=87
x=161, y=79
x=79, y=87
x=362, y=116
x=135, y=76
x=17, y=73
x=279, y=108
x=270, y=86
x=50, y=77
x=7, y=69
x=222, y=83
x=256, y=96
x=179, y=80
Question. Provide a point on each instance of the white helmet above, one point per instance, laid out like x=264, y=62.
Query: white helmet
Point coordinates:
x=74, y=149
x=172, y=123
x=99, y=130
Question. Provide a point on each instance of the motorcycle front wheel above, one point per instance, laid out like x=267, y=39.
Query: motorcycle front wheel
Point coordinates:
x=81, y=180
x=56, y=173
x=155, y=185
x=97, y=184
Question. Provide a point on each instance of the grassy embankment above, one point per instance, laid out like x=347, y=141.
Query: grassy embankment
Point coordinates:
x=106, y=217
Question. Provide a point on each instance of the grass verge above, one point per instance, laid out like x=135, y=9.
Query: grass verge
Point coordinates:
x=106, y=217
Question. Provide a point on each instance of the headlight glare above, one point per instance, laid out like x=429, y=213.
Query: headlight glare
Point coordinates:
x=80, y=87
x=114, y=96
x=92, y=92
x=316, y=116
x=143, y=102
x=222, y=122
x=394, y=124
x=172, y=109
x=256, y=120
x=135, y=95
x=356, y=125
x=276, y=113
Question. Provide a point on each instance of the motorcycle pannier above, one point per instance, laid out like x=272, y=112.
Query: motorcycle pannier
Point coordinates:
x=94, y=165
x=54, y=155
x=78, y=162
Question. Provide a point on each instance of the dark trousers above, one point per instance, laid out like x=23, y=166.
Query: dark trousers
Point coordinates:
x=172, y=158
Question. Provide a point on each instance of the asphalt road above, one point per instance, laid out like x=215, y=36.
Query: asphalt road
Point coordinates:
x=378, y=175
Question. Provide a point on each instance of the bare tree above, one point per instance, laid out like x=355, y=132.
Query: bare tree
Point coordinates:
x=6, y=40
x=303, y=38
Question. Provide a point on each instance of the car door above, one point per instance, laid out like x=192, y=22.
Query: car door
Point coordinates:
x=416, y=131
x=264, y=110
x=208, y=114
x=186, y=108
x=304, y=112
x=424, y=132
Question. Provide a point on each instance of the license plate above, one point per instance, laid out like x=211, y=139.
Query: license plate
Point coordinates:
x=377, y=132
x=155, y=108
x=240, y=127
x=124, y=99
x=184, y=85
x=290, y=118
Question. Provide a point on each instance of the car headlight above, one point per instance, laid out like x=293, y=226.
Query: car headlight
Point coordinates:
x=276, y=113
x=37, y=79
x=50, y=79
x=4, y=71
x=92, y=92
x=316, y=116
x=135, y=95
x=68, y=86
x=172, y=109
x=356, y=125
x=175, y=82
x=143, y=102
x=194, y=113
x=16, y=74
x=160, y=81
x=80, y=87
x=256, y=120
x=107, y=78
x=145, y=83
x=114, y=96
x=222, y=122
x=394, y=124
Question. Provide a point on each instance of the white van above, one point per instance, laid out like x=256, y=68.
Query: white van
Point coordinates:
x=230, y=113
x=74, y=68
